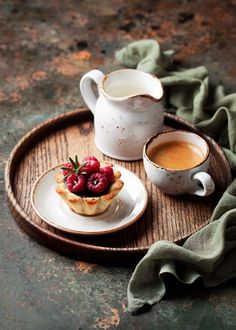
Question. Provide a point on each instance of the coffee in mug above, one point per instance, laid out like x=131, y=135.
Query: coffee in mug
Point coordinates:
x=176, y=155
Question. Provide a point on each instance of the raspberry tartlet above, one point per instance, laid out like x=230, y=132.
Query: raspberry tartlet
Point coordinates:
x=88, y=187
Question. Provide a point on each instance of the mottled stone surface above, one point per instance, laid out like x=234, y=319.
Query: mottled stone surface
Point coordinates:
x=45, y=47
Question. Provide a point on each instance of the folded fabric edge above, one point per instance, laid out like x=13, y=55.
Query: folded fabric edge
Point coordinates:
x=136, y=304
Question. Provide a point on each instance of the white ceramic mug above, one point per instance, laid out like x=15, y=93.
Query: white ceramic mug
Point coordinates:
x=126, y=111
x=192, y=180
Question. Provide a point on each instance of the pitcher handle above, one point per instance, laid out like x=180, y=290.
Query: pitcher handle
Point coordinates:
x=87, y=92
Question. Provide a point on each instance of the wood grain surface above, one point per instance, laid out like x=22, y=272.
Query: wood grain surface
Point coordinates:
x=166, y=217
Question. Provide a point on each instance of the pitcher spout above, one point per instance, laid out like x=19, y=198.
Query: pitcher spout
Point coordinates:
x=152, y=88
x=129, y=83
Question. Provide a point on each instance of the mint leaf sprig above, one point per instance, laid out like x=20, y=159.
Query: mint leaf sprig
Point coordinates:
x=76, y=168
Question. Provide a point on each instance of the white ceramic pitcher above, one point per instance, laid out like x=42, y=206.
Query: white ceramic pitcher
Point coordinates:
x=126, y=112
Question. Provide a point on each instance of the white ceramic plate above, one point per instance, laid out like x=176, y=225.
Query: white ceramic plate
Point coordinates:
x=128, y=206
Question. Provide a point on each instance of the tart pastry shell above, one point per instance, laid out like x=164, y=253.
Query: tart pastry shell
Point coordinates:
x=89, y=205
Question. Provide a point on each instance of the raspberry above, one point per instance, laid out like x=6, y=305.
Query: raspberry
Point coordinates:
x=76, y=183
x=89, y=158
x=108, y=172
x=92, y=166
x=97, y=183
x=67, y=171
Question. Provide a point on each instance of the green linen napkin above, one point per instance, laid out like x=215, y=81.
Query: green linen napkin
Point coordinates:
x=210, y=253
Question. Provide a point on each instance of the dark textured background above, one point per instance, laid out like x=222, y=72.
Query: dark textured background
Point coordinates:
x=45, y=47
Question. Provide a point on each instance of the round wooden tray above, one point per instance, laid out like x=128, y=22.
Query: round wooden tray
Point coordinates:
x=166, y=218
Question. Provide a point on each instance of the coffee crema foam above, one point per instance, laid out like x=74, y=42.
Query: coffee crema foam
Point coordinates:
x=176, y=155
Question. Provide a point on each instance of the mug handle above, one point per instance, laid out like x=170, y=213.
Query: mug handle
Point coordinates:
x=87, y=92
x=207, y=183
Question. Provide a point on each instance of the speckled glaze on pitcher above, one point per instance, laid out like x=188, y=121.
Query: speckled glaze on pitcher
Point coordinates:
x=126, y=112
